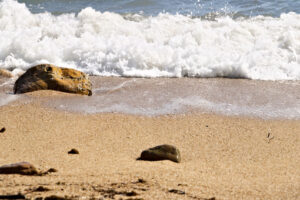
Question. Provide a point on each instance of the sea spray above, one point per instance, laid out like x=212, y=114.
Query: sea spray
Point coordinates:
x=165, y=45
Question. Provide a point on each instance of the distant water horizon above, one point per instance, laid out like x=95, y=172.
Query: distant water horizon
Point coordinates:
x=149, y=38
x=196, y=8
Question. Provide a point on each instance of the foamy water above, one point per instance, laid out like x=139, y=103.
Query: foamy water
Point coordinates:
x=7, y=98
x=152, y=97
x=164, y=45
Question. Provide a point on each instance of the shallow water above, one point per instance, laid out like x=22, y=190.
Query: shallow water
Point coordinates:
x=164, y=96
x=249, y=40
x=161, y=96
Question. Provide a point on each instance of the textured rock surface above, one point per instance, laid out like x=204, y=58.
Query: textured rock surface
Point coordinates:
x=5, y=73
x=50, y=77
x=161, y=152
x=23, y=168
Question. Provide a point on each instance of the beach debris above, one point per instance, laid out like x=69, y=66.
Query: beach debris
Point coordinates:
x=141, y=180
x=111, y=192
x=60, y=183
x=41, y=189
x=269, y=137
x=73, y=151
x=5, y=73
x=161, y=152
x=2, y=130
x=23, y=168
x=52, y=170
x=177, y=191
x=182, y=184
x=50, y=77
x=188, y=195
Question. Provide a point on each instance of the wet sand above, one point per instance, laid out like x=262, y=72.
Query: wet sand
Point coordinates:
x=223, y=156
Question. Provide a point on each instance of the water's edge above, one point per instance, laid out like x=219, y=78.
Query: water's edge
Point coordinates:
x=164, y=96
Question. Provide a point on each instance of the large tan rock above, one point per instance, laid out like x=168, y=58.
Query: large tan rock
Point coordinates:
x=161, y=152
x=23, y=168
x=50, y=77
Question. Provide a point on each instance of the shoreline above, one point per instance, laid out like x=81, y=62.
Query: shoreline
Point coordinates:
x=164, y=96
x=222, y=157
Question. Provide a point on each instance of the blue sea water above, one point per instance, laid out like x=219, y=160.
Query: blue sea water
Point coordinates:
x=185, y=7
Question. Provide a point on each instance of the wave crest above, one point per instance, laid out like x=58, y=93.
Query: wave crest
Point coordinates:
x=109, y=44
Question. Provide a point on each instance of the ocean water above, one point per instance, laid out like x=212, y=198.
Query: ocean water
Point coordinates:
x=252, y=39
x=161, y=96
x=246, y=39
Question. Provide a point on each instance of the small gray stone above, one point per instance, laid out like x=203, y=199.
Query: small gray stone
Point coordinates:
x=161, y=152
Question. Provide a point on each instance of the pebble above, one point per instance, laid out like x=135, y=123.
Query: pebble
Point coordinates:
x=161, y=152
x=73, y=151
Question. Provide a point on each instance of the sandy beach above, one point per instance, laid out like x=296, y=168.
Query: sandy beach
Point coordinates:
x=223, y=156
x=217, y=81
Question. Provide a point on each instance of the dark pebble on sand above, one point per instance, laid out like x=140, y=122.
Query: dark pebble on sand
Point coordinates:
x=73, y=151
x=41, y=189
x=3, y=130
x=177, y=191
x=17, y=196
x=52, y=170
x=140, y=180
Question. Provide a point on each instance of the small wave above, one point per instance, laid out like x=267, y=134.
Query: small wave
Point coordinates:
x=166, y=45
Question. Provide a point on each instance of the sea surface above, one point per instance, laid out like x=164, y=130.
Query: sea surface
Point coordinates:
x=251, y=39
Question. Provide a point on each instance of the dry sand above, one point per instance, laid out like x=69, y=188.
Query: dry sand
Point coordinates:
x=222, y=157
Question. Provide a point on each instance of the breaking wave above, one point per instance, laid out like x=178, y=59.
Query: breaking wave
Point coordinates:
x=166, y=45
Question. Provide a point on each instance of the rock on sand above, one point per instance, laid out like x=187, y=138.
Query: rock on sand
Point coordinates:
x=23, y=168
x=50, y=77
x=161, y=152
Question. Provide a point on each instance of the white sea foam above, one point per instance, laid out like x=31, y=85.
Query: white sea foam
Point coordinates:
x=165, y=45
x=172, y=96
x=7, y=98
x=180, y=105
